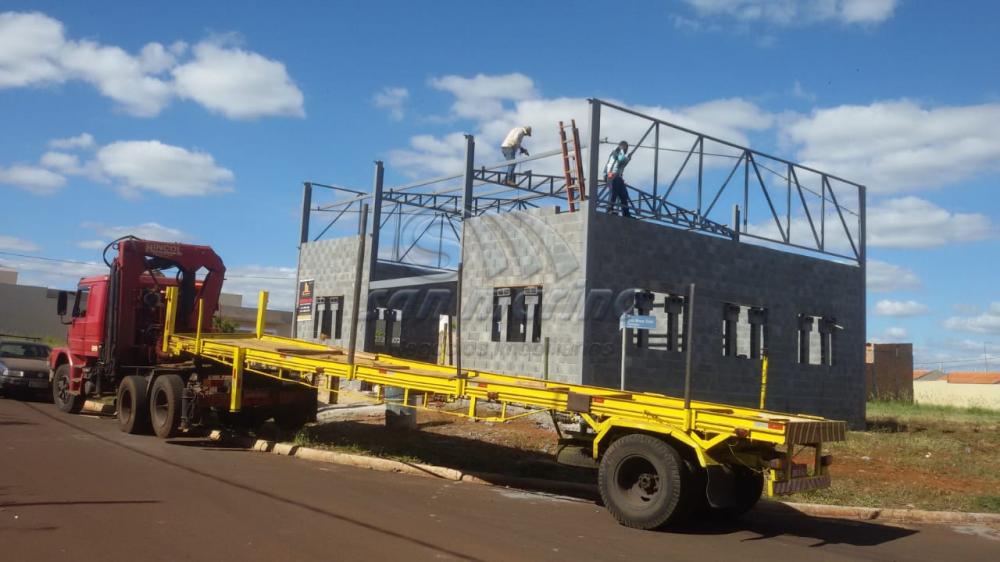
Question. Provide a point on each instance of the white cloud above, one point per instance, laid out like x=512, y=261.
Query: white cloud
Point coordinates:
x=146, y=231
x=63, y=162
x=911, y=222
x=118, y=75
x=986, y=323
x=496, y=104
x=483, y=96
x=92, y=244
x=238, y=84
x=431, y=155
x=83, y=140
x=12, y=244
x=32, y=179
x=798, y=12
x=895, y=333
x=162, y=168
x=894, y=146
x=899, y=308
x=29, y=47
x=34, y=51
x=886, y=277
x=392, y=99
x=134, y=166
x=247, y=280
x=799, y=92
x=61, y=274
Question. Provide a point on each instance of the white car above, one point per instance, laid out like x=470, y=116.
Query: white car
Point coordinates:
x=24, y=367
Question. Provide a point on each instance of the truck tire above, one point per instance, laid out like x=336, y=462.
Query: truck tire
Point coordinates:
x=641, y=480
x=133, y=410
x=165, y=405
x=66, y=402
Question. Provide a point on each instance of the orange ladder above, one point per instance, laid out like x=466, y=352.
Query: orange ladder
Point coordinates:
x=575, y=190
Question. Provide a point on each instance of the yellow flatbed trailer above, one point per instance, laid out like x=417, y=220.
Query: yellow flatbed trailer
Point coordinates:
x=659, y=460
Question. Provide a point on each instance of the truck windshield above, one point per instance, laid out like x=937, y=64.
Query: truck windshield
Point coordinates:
x=23, y=351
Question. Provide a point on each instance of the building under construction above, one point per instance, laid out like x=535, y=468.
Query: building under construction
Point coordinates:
x=737, y=254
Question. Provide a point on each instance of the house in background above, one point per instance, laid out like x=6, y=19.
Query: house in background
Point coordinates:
x=967, y=389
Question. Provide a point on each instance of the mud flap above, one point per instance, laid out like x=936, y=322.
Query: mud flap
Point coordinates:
x=721, y=489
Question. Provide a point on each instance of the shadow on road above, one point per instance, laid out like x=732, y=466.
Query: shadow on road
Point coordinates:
x=780, y=520
x=468, y=454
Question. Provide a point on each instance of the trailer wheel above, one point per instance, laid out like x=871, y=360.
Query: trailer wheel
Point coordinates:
x=65, y=401
x=640, y=480
x=748, y=484
x=133, y=410
x=165, y=405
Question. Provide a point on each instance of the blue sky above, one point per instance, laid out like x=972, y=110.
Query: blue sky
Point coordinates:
x=199, y=121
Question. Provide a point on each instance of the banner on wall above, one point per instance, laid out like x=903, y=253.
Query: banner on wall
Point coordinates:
x=304, y=303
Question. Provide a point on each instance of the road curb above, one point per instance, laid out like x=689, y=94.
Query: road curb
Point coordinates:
x=880, y=514
x=590, y=490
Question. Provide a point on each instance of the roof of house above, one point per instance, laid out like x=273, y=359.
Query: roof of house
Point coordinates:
x=925, y=375
x=969, y=377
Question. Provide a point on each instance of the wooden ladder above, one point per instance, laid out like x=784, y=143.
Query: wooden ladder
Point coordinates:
x=575, y=186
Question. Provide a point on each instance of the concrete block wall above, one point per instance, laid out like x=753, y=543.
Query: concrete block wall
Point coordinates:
x=332, y=264
x=535, y=247
x=889, y=371
x=627, y=254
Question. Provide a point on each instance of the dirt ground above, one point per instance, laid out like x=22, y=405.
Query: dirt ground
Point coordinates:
x=905, y=459
x=522, y=447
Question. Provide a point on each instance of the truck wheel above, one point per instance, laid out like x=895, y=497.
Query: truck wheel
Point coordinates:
x=747, y=487
x=165, y=405
x=66, y=402
x=640, y=480
x=133, y=410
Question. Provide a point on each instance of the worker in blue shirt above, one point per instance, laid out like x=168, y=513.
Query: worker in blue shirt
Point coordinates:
x=613, y=174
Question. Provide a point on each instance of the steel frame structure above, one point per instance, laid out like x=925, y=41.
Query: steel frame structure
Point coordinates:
x=443, y=206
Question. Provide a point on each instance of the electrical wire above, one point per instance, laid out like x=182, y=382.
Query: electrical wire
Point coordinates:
x=95, y=264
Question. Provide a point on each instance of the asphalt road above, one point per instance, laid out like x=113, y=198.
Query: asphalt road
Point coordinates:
x=75, y=488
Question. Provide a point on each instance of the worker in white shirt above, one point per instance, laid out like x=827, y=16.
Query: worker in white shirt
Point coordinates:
x=511, y=146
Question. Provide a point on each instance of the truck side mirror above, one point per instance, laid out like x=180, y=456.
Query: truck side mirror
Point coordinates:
x=62, y=301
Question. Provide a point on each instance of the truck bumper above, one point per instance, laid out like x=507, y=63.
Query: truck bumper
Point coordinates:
x=796, y=485
x=23, y=383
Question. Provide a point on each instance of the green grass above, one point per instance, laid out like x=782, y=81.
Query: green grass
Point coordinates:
x=928, y=413
x=917, y=456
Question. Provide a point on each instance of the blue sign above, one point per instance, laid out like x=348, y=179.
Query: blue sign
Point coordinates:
x=637, y=322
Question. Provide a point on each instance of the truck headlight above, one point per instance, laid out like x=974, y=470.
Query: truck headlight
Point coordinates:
x=3, y=369
x=12, y=373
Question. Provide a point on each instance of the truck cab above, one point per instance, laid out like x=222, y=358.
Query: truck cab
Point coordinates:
x=115, y=339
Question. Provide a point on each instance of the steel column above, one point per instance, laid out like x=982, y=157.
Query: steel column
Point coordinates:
x=352, y=343
x=376, y=216
x=594, y=148
x=467, y=181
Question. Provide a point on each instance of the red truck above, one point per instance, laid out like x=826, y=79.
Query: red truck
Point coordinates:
x=115, y=347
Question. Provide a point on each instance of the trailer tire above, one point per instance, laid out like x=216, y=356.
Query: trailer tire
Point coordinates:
x=641, y=480
x=165, y=405
x=133, y=410
x=66, y=402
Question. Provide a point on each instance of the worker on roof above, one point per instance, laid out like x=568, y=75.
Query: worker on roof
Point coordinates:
x=613, y=171
x=511, y=146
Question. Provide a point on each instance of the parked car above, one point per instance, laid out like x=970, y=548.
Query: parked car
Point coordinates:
x=24, y=367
